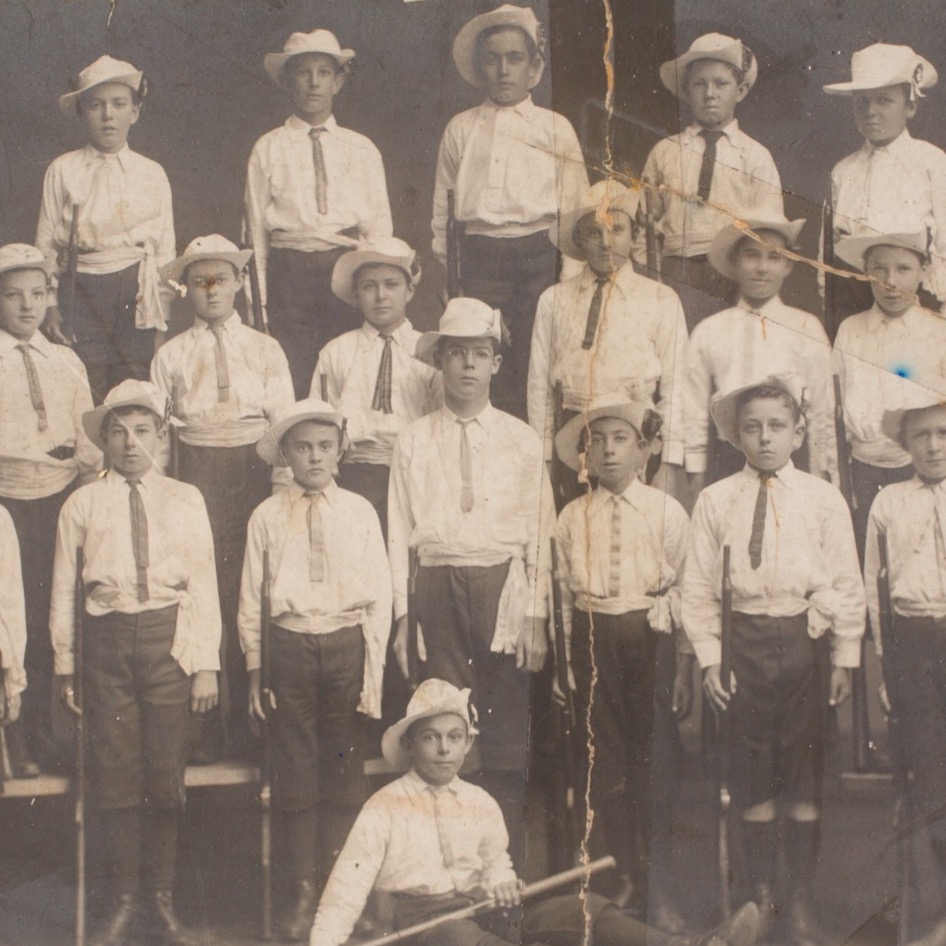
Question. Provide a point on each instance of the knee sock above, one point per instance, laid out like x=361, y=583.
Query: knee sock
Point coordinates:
x=801, y=852
x=760, y=849
x=303, y=831
x=122, y=830
x=159, y=850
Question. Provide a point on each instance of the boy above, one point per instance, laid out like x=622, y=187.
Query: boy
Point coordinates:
x=608, y=329
x=430, y=843
x=151, y=631
x=710, y=172
x=893, y=183
x=371, y=374
x=227, y=383
x=313, y=189
x=513, y=167
x=795, y=586
x=621, y=553
x=12, y=623
x=760, y=335
x=470, y=493
x=331, y=613
x=125, y=231
x=43, y=451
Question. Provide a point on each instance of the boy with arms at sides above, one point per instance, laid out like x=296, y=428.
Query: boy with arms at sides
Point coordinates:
x=12, y=623
x=796, y=589
x=151, y=643
x=331, y=614
x=430, y=843
x=313, y=190
x=43, y=452
x=227, y=384
x=513, y=167
x=125, y=231
x=713, y=160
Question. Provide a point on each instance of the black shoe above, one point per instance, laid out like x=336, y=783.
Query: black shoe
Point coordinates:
x=802, y=929
x=118, y=928
x=741, y=929
x=298, y=923
x=166, y=925
x=767, y=911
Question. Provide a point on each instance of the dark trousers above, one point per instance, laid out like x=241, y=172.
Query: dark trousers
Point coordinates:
x=371, y=481
x=701, y=289
x=866, y=482
x=510, y=275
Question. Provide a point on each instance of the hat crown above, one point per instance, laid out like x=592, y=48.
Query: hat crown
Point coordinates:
x=390, y=246
x=133, y=390
x=105, y=69
x=466, y=317
x=318, y=41
x=438, y=696
x=205, y=246
x=713, y=42
x=20, y=256
x=881, y=58
x=312, y=405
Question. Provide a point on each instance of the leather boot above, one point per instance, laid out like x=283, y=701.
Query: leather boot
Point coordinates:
x=298, y=923
x=166, y=924
x=117, y=929
x=801, y=857
x=760, y=850
x=741, y=929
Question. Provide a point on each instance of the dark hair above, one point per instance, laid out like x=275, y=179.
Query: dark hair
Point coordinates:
x=313, y=420
x=409, y=276
x=484, y=35
x=340, y=68
x=768, y=392
x=738, y=74
x=651, y=425
x=137, y=95
x=126, y=410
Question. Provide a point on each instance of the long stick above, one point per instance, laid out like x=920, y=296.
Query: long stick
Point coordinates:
x=485, y=906
x=651, y=236
x=266, y=764
x=413, y=657
x=256, y=300
x=844, y=451
x=78, y=696
x=830, y=260
x=72, y=266
x=555, y=464
x=454, y=241
x=725, y=677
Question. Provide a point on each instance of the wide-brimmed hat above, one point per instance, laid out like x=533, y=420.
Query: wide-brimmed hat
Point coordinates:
x=711, y=46
x=104, y=69
x=723, y=405
x=23, y=256
x=389, y=251
x=130, y=393
x=720, y=251
x=603, y=198
x=431, y=698
x=298, y=44
x=908, y=396
x=853, y=249
x=568, y=441
x=884, y=64
x=464, y=317
x=464, y=46
x=311, y=408
x=213, y=246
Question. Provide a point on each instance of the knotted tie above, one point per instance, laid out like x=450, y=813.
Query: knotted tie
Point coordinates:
x=708, y=163
x=220, y=357
x=382, y=387
x=321, y=178
x=594, y=314
x=758, y=520
x=36, y=390
x=614, y=571
x=466, y=466
x=316, y=539
x=441, y=796
x=139, y=538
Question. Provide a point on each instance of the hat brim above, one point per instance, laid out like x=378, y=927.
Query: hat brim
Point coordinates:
x=274, y=63
x=568, y=439
x=723, y=409
x=391, y=746
x=348, y=264
x=92, y=420
x=67, y=102
x=673, y=71
x=720, y=251
x=853, y=249
x=173, y=272
x=883, y=82
x=47, y=265
x=464, y=45
x=892, y=421
x=268, y=449
x=561, y=233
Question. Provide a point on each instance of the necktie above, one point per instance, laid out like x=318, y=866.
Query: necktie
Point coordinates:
x=220, y=357
x=594, y=314
x=614, y=570
x=466, y=467
x=758, y=520
x=36, y=390
x=382, y=387
x=441, y=797
x=321, y=178
x=709, y=162
x=139, y=538
x=316, y=539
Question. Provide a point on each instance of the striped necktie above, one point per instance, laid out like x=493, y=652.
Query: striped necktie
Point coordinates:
x=321, y=178
x=382, y=387
x=139, y=538
x=758, y=520
x=614, y=566
x=36, y=390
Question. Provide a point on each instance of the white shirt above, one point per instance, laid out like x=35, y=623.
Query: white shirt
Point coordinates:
x=12, y=609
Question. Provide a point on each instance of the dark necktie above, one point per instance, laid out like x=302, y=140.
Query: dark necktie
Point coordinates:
x=382, y=387
x=220, y=357
x=316, y=539
x=594, y=314
x=36, y=390
x=466, y=467
x=321, y=178
x=709, y=162
x=139, y=538
x=758, y=520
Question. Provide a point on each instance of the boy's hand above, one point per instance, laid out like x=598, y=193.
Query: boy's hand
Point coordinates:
x=683, y=687
x=840, y=685
x=67, y=693
x=508, y=893
x=257, y=710
x=713, y=687
x=400, y=644
x=52, y=326
x=884, y=699
x=533, y=645
x=557, y=694
x=9, y=703
x=204, y=691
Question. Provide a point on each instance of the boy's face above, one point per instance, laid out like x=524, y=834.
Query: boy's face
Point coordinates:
x=504, y=67
x=924, y=435
x=881, y=115
x=606, y=248
x=108, y=111
x=383, y=292
x=313, y=451
x=759, y=268
x=23, y=299
x=616, y=453
x=438, y=745
x=713, y=93
x=212, y=285
x=768, y=434
x=895, y=275
x=468, y=366
x=131, y=440
x=313, y=81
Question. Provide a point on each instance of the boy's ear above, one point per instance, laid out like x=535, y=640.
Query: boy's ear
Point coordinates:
x=497, y=361
x=742, y=91
x=799, y=435
x=654, y=447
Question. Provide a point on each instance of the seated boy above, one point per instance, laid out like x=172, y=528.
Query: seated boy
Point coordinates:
x=513, y=167
x=227, y=384
x=796, y=588
x=621, y=554
x=151, y=632
x=331, y=618
x=12, y=623
x=430, y=843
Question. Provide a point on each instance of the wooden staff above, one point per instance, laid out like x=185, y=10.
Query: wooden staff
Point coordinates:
x=323, y=386
x=266, y=762
x=830, y=261
x=257, y=315
x=651, y=236
x=722, y=718
x=413, y=657
x=555, y=464
x=78, y=697
x=844, y=450
x=455, y=234
x=72, y=266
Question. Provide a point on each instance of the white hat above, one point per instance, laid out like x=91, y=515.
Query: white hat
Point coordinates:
x=431, y=698
x=464, y=317
x=388, y=251
x=104, y=69
x=723, y=405
x=711, y=46
x=908, y=396
x=130, y=393
x=605, y=196
x=311, y=408
x=853, y=249
x=23, y=256
x=884, y=64
x=298, y=44
x=464, y=46
x=720, y=251
x=211, y=247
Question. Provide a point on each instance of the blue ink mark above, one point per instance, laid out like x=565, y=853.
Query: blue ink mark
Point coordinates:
x=903, y=371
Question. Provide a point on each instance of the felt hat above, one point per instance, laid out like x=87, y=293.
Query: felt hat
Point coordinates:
x=720, y=251
x=605, y=196
x=130, y=393
x=723, y=405
x=853, y=249
x=884, y=64
x=23, y=256
x=711, y=46
x=464, y=46
x=386, y=250
x=311, y=408
x=909, y=396
x=464, y=317
x=298, y=44
x=568, y=439
x=104, y=69
x=213, y=247
x=431, y=698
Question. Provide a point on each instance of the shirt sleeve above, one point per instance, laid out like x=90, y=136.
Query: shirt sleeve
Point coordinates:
x=701, y=597
x=248, y=616
x=379, y=222
x=541, y=526
x=89, y=459
x=70, y=536
x=671, y=347
x=540, y=390
x=202, y=585
x=255, y=201
x=768, y=184
x=50, y=212
x=876, y=525
x=677, y=531
x=448, y=164
x=378, y=617
x=564, y=547
x=494, y=847
x=12, y=610
x=400, y=521
x=816, y=363
x=697, y=393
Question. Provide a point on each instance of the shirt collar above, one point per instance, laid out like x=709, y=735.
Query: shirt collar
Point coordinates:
x=876, y=317
x=486, y=418
x=917, y=484
x=730, y=131
x=295, y=124
x=94, y=156
x=114, y=479
x=526, y=109
x=417, y=784
x=228, y=324
x=400, y=335
x=767, y=309
x=622, y=279
x=633, y=495
x=38, y=343
x=900, y=143
x=787, y=475
x=329, y=494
